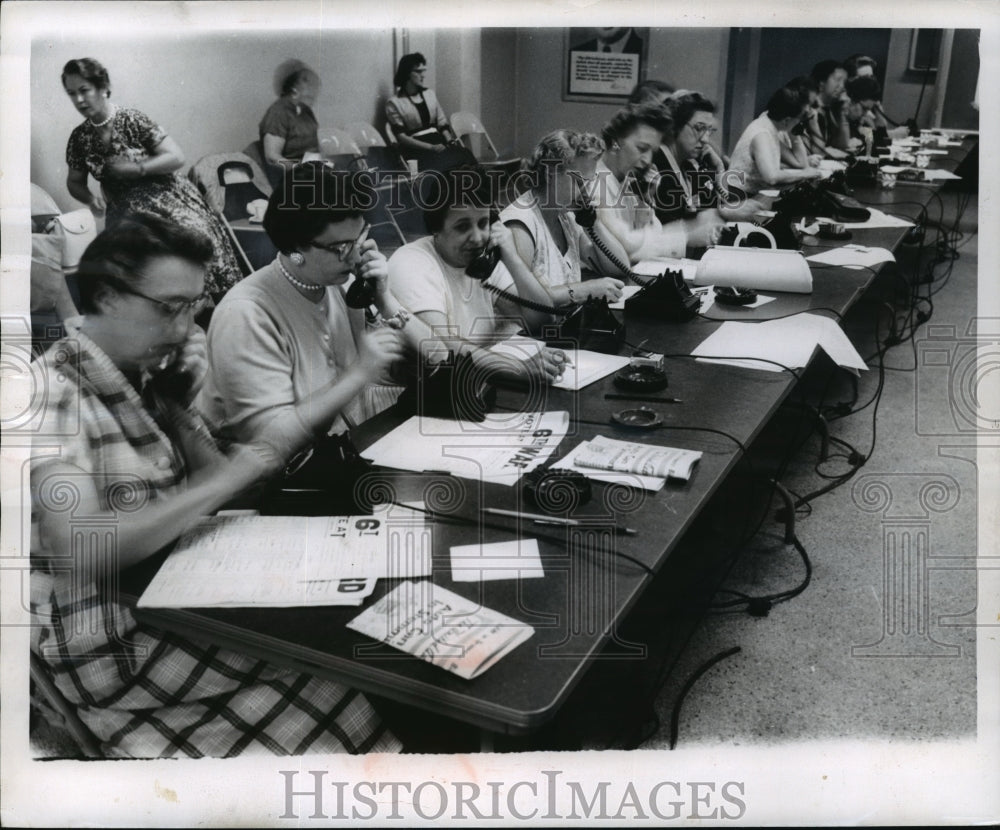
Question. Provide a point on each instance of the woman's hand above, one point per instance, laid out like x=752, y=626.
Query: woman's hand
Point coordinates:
x=372, y=265
x=192, y=360
x=815, y=159
x=378, y=349
x=704, y=234
x=602, y=288
x=98, y=206
x=122, y=168
x=550, y=364
x=502, y=238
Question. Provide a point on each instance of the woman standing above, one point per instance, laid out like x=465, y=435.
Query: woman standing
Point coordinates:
x=134, y=455
x=136, y=163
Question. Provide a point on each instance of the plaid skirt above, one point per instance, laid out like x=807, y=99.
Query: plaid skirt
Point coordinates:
x=150, y=694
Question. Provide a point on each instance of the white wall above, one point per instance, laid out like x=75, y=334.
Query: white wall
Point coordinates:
x=208, y=91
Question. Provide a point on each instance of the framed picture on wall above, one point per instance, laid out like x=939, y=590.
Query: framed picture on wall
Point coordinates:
x=603, y=63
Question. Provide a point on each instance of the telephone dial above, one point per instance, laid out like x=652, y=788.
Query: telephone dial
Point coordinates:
x=666, y=297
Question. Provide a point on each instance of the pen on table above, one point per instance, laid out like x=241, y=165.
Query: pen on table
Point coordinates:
x=615, y=396
x=549, y=520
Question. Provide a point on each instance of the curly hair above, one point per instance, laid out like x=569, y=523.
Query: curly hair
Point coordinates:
x=557, y=148
x=631, y=116
x=90, y=70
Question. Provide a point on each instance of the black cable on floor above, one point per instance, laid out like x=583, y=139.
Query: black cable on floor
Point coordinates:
x=675, y=715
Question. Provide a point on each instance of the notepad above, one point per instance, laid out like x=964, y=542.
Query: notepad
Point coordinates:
x=624, y=462
x=283, y=561
x=441, y=627
x=584, y=367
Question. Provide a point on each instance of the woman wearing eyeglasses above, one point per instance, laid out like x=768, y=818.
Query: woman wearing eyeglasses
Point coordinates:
x=691, y=181
x=284, y=339
x=136, y=163
x=135, y=468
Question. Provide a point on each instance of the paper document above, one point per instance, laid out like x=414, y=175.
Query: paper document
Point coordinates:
x=853, y=256
x=441, y=627
x=632, y=464
x=789, y=341
x=285, y=561
x=627, y=291
x=878, y=219
x=517, y=559
x=499, y=449
x=586, y=367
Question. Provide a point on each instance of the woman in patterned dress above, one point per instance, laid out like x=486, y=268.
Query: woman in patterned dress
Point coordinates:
x=136, y=163
x=135, y=468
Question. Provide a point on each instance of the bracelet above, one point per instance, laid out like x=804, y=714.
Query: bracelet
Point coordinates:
x=572, y=294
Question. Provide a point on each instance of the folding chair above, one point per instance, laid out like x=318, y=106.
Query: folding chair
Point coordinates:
x=229, y=182
x=473, y=135
x=337, y=146
x=379, y=156
x=54, y=707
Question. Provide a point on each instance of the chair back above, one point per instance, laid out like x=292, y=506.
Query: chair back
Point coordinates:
x=467, y=125
x=339, y=146
x=364, y=135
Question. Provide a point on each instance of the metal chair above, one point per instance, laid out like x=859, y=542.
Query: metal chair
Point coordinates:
x=339, y=147
x=378, y=155
x=473, y=134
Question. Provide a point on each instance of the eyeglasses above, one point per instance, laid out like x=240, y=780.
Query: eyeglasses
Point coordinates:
x=702, y=130
x=343, y=249
x=169, y=308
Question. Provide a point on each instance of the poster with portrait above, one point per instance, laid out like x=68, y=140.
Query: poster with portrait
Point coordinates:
x=603, y=63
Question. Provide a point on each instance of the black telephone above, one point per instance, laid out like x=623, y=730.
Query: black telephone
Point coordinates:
x=666, y=297
x=361, y=294
x=452, y=388
x=483, y=265
x=172, y=382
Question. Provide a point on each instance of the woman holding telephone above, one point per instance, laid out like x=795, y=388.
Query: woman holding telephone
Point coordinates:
x=290, y=338
x=542, y=219
x=450, y=279
x=134, y=456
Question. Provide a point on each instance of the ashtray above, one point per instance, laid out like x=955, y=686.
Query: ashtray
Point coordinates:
x=641, y=418
x=641, y=379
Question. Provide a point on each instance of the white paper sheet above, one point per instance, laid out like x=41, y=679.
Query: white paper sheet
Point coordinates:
x=498, y=450
x=789, y=341
x=878, y=219
x=853, y=256
x=283, y=561
x=586, y=366
x=441, y=627
x=627, y=291
x=516, y=559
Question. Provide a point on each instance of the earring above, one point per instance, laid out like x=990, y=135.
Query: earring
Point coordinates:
x=296, y=258
x=615, y=145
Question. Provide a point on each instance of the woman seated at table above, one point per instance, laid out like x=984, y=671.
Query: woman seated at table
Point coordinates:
x=756, y=160
x=429, y=276
x=288, y=129
x=691, y=173
x=862, y=112
x=624, y=174
x=547, y=236
x=417, y=119
x=286, y=341
x=137, y=461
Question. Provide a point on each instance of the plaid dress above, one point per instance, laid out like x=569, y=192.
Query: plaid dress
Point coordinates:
x=143, y=692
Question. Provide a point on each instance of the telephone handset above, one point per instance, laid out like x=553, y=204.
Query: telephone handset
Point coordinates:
x=666, y=297
x=172, y=382
x=361, y=294
x=482, y=267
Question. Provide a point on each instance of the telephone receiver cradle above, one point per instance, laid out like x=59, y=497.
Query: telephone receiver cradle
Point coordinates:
x=454, y=388
x=667, y=297
x=591, y=325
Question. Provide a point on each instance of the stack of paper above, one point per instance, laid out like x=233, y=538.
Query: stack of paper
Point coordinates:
x=583, y=366
x=499, y=449
x=789, y=341
x=443, y=628
x=283, y=561
x=878, y=219
x=624, y=462
x=853, y=256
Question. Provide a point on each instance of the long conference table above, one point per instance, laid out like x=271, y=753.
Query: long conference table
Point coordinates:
x=587, y=591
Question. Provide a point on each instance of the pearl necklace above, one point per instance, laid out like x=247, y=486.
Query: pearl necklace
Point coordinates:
x=305, y=286
x=106, y=120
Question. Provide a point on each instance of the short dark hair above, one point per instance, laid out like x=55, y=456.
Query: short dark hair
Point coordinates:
x=863, y=88
x=461, y=186
x=121, y=253
x=310, y=197
x=295, y=78
x=90, y=70
x=805, y=83
x=787, y=102
x=856, y=61
x=649, y=90
x=683, y=108
x=406, y=65
x=631, y=116
x=824, y=69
